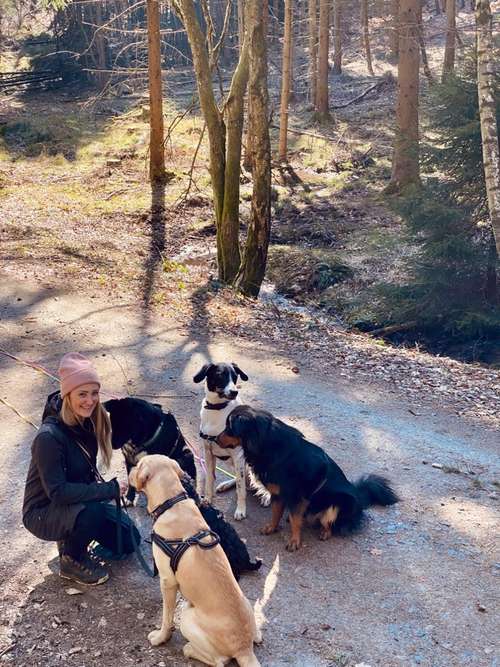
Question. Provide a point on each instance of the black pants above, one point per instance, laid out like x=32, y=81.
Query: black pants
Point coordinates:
x=98, y=522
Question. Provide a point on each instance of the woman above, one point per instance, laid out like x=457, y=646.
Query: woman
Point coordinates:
x=64, y=498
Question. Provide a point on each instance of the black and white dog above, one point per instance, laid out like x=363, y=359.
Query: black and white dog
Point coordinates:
x=221, y=398
x=139, y=427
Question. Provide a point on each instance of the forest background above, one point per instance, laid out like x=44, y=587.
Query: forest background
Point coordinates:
x=334, y=149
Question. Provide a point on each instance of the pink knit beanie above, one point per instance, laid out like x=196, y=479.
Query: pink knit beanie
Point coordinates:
x=75, y=370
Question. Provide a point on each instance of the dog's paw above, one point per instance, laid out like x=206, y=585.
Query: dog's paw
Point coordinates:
x=293, y=544
x=157, y=637
x=240, y=514
x=268, y=529
x=265, y=499
x=225, y=486
x=258, y=637
x=325, y=534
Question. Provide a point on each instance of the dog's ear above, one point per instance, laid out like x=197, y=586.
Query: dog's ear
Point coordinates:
x=238, y=370
x=110, y=404
x=177, y=469
x=142, y=475
x=202, y=373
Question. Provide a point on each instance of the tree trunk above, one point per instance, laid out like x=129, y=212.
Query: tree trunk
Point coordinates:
x=253, y=266
x=405, y=162
x=451, y=31
x=366, y=35
x=285, y=81
x=423, y=50
x=241, y=23
x=322, y=105
x=337, y=36
x=156, y=152
x=230, y=223
x=487, y=114
x=102, y=75
x=313, y=50
x=226, y=203
x=394, y=35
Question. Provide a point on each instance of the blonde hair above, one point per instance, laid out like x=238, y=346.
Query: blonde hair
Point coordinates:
x=102, y=427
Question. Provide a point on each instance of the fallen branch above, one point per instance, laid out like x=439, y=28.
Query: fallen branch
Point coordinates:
x=182, y=198
x=19, y=414
x=393, y=328
x=7, y=649
x=304, y=132
x=384, y=79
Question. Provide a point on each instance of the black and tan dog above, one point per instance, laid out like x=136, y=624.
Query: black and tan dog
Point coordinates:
x=300, y=476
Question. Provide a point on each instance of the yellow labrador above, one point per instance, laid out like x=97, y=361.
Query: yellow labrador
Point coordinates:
x=217, y=621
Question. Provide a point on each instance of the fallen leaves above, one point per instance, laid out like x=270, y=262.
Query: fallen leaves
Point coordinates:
x=73, y=591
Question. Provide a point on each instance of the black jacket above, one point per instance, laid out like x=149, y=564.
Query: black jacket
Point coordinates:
x=60, y=478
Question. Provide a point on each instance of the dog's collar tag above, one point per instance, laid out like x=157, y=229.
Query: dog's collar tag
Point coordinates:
x=216, y=406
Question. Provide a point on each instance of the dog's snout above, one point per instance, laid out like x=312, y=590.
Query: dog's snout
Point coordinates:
x=233, y=393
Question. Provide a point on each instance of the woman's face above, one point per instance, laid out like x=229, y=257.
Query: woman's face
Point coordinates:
x=83, y=399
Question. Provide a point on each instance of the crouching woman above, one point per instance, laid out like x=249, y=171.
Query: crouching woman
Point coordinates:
x=65, y=498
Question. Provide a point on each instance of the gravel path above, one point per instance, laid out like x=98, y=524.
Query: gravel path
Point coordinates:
x=419, y=586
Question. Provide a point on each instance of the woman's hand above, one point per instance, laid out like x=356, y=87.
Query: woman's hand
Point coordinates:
x=123, y=487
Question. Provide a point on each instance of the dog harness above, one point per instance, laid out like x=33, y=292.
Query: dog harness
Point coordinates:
x=175, y=549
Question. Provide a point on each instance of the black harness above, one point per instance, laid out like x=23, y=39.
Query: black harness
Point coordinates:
x=175, y=549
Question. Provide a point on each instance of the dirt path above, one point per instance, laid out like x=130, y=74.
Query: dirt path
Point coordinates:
x=417, y=587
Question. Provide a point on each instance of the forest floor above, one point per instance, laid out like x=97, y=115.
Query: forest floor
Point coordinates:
x=91, y=260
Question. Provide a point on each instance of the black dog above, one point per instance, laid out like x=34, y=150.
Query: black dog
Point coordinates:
x=234, y=547
x=300, y=476
x=140, y=427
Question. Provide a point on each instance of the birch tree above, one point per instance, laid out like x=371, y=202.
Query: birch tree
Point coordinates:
x=487, y=114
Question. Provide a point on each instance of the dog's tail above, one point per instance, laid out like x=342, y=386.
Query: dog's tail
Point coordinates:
x=375, y=490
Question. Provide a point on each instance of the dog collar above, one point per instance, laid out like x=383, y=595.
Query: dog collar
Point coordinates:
x=216, y=406
x=158, y=511
x=153, y=437
x=212, y=438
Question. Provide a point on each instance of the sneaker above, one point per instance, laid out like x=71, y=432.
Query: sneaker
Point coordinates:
x=85, y=572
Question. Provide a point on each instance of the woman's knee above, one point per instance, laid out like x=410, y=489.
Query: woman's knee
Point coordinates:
x=91, y=517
